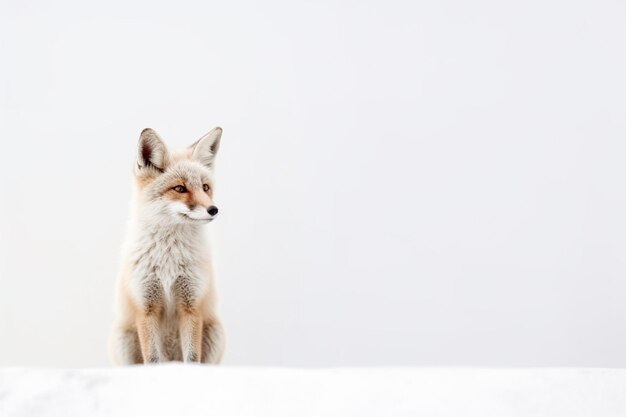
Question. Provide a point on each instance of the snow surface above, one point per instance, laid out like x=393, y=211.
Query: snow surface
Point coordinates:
x=195, y=390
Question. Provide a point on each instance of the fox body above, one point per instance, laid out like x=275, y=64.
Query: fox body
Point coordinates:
x=166, y=300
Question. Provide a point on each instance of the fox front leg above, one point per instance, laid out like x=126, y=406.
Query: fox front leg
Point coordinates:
x=148, y=329
x=190, y=328
x=149, y=324
x=189, y=319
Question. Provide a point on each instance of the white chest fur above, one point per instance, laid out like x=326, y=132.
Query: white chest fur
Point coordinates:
x=166, y=257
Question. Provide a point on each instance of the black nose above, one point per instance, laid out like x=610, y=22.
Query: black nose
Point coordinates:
x=212, y=210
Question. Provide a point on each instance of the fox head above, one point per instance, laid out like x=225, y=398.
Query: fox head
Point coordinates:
x=176, y=186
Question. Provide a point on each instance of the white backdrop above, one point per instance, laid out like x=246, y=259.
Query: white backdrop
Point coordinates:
x=400, y=183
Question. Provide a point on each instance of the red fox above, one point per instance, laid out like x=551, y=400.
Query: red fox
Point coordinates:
x=166, y=300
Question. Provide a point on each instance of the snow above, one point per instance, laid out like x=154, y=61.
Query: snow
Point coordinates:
x=195, y=390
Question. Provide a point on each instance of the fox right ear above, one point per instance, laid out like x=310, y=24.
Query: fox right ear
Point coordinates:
x=205, y=148
x=152, y=152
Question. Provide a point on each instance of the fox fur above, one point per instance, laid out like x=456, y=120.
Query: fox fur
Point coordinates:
x=165, y=307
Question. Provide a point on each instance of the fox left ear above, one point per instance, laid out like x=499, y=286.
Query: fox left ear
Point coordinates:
x=205, y=149
x=152, y=153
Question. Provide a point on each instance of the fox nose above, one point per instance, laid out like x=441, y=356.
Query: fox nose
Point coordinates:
x=212, y=210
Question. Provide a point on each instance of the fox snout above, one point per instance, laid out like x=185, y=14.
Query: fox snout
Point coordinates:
x=212, y=211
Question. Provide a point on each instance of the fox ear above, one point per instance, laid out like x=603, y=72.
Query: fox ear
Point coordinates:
x=206, y=147
x=152, y=152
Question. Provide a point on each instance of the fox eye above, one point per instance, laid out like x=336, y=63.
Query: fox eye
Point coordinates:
x=180, y=189
x=205, y=187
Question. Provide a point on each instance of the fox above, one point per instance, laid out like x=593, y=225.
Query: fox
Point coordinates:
x=165, y=302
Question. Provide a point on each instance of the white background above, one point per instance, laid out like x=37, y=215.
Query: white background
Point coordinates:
x=399, y=183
